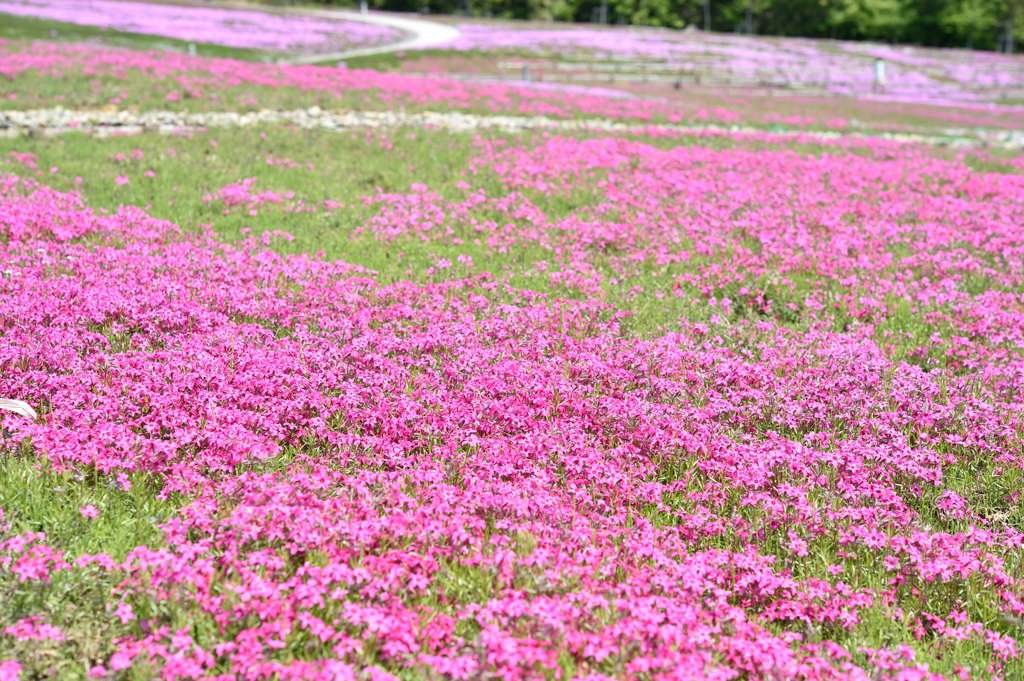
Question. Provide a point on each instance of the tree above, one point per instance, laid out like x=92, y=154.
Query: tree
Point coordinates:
x=743, y=16
x=974, y=22
x=1013, y=23
x=871, y=19
x=984, y=24
x=987, y=24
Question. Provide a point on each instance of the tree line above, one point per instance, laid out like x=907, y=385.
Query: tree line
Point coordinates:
x=979, y=24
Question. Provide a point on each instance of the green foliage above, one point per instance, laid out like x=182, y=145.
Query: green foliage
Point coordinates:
x=984, y=24
x=979, y=24
x=871, y=18
x=977, y=20
x=36, y=498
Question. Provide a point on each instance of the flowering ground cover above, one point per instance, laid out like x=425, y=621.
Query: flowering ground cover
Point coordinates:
x=578, y=406
x=27, y=29
x=838, y=67
x=79, y=75
x=228, y=26
x=418, y=404
x=42, y=74
x=751, y=104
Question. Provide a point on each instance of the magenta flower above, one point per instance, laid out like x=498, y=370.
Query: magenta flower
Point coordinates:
x=10, y=670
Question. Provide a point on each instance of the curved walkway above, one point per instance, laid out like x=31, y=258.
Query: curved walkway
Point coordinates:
x=421, y=34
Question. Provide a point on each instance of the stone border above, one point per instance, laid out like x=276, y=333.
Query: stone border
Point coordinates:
x=58, y=120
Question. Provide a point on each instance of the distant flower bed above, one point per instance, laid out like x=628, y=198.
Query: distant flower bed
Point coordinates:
x=926, y=76
x=199, y=75
x=221, y=26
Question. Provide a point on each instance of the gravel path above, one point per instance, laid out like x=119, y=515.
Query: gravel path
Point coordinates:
x=103, y=123
x=422, y=34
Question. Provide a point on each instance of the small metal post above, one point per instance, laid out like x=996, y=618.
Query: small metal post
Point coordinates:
x=879, y=83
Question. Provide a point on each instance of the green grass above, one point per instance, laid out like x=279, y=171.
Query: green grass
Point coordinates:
x=36, y=498
x=406, y=61
x=993, y=161
x=137, y=91
x=345, y=167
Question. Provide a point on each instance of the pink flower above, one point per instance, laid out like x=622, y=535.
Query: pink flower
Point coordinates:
x=120, y=661
x=120, y=180
x=797, y=545
x=89, y=511
x=952, y=505
x=34, y=629
x=10, y=670
x=124, y=613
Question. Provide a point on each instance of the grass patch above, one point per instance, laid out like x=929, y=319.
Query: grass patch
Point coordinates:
x=37, y=498
x=78, y=600
x=314, y=165
x=407, y=61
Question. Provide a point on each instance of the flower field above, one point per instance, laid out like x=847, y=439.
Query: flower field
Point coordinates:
x=414, y=402
x=836, y=67
x=48, y=73
x=232, y=27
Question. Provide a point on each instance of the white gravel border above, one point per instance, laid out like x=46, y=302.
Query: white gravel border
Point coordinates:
x=58, y=120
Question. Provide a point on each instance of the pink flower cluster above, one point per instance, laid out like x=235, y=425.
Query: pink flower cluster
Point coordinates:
x=241, y=195
x=463, y=479
x=197, y=75
x=33, y=629
x=863, y=221
x=231, y=26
